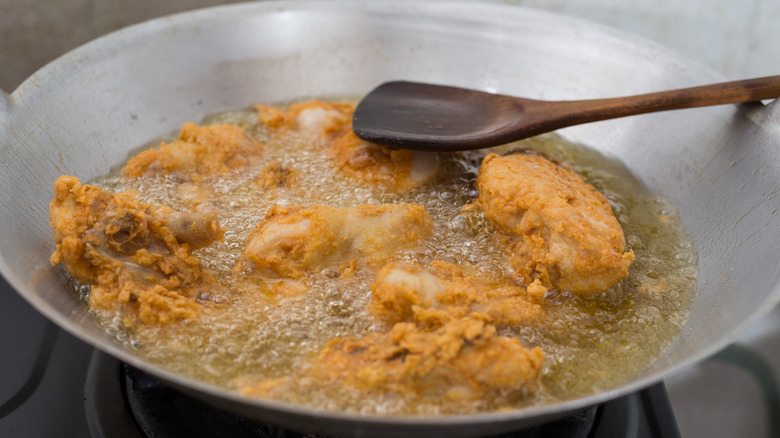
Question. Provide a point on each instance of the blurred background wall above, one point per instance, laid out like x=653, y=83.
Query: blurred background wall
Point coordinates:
x=34, y=32
x=740, y=38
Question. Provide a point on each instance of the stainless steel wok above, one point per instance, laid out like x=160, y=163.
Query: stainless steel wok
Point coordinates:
x=83, y=113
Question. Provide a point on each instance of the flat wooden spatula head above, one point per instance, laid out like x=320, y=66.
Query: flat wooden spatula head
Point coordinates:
x=414, y=115
x=420, y=116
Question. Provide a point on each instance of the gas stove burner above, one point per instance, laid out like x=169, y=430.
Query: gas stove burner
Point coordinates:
x=124, y=401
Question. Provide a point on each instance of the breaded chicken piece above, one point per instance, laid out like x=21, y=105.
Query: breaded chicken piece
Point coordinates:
x=311, y=117
x=274, y=174
x=197, y=230
x=294, y=241
x=441, y=292
x=196, y=196
x=136, y=258
x=199, y=151
x=562, y=231
x=397, y=170
x=463, y=360
x=394, y=169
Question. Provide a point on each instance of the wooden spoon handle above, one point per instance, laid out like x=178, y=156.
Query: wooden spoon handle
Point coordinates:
x=748, y=90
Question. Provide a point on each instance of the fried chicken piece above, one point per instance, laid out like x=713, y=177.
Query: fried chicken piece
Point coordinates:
x=274, y=174
x=562, y=231
x=197, y=230
x=199, y=151
x=293, y=241
x=196, y=196
x=395, y=169
x=463, y=360
x=262, y=293
x=312, y=117
x=442, y=292
x=137, y=265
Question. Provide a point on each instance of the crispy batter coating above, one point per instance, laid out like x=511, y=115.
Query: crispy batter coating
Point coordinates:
x=294, y=241
x=275, y=175
x=461, y=361
x=313, y=116
x=563, y=231
x=442, y=292
x=395, y=169
x=138, y=265
x=199, y=151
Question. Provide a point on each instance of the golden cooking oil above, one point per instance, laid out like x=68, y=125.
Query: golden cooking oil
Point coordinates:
x=591, y=343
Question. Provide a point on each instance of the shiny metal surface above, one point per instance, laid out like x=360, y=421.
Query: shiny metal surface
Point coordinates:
x=82, y=114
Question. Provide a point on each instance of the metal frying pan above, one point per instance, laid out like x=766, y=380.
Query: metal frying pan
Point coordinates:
x=83, y=113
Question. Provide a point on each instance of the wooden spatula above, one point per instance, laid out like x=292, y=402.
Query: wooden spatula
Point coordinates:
x=413, y=115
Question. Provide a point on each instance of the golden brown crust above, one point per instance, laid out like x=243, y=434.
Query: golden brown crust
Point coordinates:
x=372, y=163
x=394, y=169
x=276, y=175
x=441, y=292
x=564, y=233
x=124, y=249
x=199, y=151
x=463, y=360
x=313, y=116
x=296, y=241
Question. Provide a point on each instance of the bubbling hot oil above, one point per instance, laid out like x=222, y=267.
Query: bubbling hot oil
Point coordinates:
x=591, y=343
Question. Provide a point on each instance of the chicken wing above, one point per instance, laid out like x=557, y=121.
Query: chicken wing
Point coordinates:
x=441, y=292
x=563, y=232
x=463, y=360
x=395, y=169
x=199, y=151
x=294, y=241
x=136, y=264
x=311, y=117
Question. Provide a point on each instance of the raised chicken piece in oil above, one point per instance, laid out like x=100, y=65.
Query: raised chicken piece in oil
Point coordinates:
x=463, y=360
x=397, y=170
x=295, y=241
x=135, y=257
x=440, y=292
x=562, y=231
x=197, y=229
x=199, y=151
x=311, y=117
x=277, y=175
x=393, y=169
